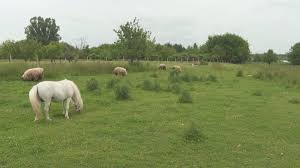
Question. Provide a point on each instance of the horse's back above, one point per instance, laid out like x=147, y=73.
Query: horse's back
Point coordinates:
x=58, y=90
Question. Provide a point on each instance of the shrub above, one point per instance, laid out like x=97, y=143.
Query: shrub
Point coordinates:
x=259, y=75
x=149, y=85
x=154, y=75
x=239, y=73
x=174, y=87
x=193, y=134
x=195, y=78
x=156, y=86
x=122, y=92
x=211, y=78
x=294, y=101
x=185, y=97
x=112, y=83
x=174, y=76
x=186, y=77
x=258, y=93
x=92, y=84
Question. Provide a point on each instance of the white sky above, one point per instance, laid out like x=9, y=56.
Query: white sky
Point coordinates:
x=266, y=24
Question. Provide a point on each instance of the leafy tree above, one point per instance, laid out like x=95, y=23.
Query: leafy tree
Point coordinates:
x=27, y=50
x=133, y=40
x=8, y=49
x=42, y=30
x=52, y=51
x=270, y=57
x=228, y=47
x=294, y=54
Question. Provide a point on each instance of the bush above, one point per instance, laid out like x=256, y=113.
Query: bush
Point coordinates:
x=186, y=77
x=154, y=75
x=112, y=83
x=174, y=87
x=294, y=101
x=149, y=85
x=92, y=84
x=211, y=78
x=259, y=75
x=193, y=134
x=185, y=97
x=122, y=92
x=239, y=73
x=195, y=78
x=258, y=93
x=174, y=76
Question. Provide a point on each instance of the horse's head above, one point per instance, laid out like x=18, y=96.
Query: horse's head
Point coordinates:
x=78, y=104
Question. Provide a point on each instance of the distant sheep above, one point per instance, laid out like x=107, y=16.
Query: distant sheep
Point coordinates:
x=162, y=66
x=33, y=74
x=177, y=68
x=120, y=71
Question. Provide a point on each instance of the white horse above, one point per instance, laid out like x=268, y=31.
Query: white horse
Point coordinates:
x=64, y=91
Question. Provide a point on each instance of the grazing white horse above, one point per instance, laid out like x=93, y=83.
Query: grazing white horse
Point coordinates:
x=64, y=91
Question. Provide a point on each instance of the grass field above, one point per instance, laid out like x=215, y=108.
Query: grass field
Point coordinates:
x=248, y=121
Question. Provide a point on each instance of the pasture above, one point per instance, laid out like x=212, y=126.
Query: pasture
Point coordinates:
x=248, y=120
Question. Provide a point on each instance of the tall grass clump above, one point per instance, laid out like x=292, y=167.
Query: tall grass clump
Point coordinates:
x=258, y=93
x=122, y=92
x=92, y=84
x=185, y=97
x=151, y=85
x=294, y=101
x=211, y=78
x=14, y=71
x=174, y=76
x=239, y=73
x=112, y=83
x=174, y=87
x=186, y=77
x=193, y=134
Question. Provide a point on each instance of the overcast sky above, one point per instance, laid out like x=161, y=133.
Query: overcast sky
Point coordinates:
x=264, y=23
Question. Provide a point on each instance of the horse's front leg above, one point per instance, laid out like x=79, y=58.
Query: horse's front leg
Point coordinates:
x=64, y=105
x=46, y=108
x=67, y=105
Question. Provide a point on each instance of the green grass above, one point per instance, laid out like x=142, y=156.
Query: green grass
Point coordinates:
x=151, y=129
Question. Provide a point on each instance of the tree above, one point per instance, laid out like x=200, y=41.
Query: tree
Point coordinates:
x=294, y=54
x=52, y=51
x=42, y=30
x=229, y=47
x=133, y=40
x=27, y=49
x=270, y=57
x=8, y=49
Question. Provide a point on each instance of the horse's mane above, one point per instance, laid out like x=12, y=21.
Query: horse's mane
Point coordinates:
x=77, y=97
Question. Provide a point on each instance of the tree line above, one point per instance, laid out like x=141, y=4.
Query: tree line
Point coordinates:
x=134, y=43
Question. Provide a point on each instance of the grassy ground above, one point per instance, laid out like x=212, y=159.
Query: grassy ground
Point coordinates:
x=243, y=121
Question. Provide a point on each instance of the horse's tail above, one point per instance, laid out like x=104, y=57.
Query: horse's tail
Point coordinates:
x=35, y=102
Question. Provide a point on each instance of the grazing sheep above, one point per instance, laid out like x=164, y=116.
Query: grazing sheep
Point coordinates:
x=33, y=74
x=162, y=66
x=119, y=71
x=177, y=68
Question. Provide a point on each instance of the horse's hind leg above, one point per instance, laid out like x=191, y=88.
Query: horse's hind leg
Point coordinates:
x=67, y=105
x=46, y=108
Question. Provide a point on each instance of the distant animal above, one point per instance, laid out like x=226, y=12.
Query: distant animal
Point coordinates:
x=177, y=68
x=33, y=74
x=196, y=63
x=162, y=66
x=63, y=91
x=120, y=71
